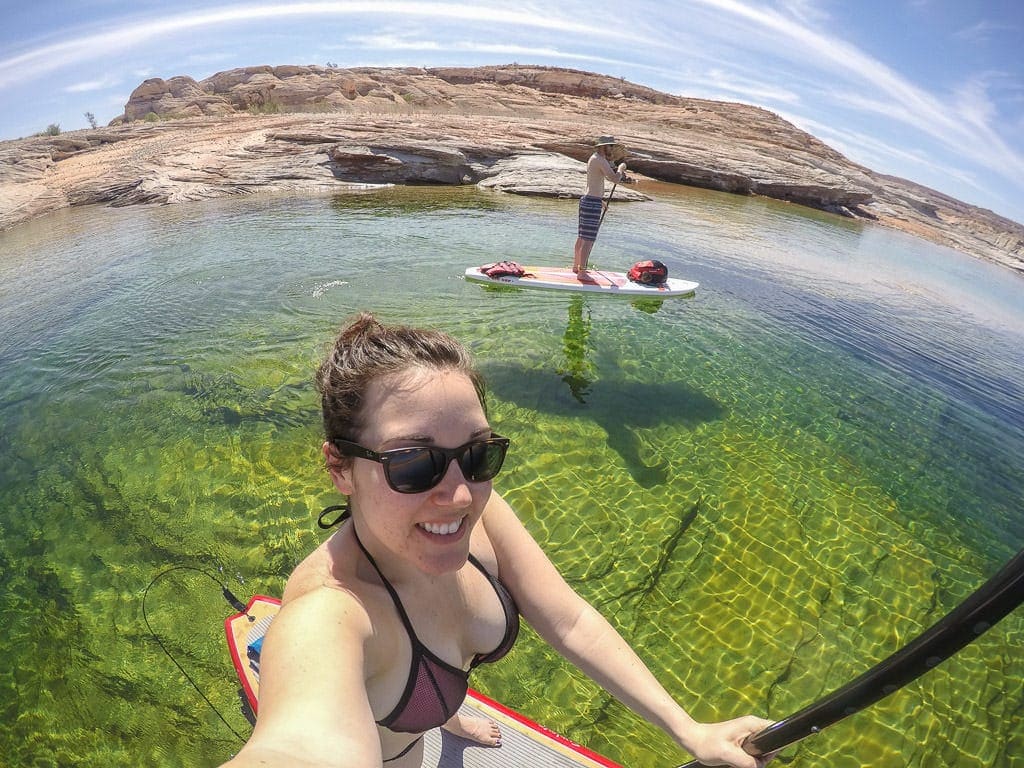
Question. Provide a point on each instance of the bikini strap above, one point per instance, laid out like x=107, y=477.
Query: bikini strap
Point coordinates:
x=405, y=751
x=345, y=513
x=391, y=591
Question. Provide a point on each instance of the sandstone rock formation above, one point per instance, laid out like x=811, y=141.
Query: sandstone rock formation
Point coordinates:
x=523, y=130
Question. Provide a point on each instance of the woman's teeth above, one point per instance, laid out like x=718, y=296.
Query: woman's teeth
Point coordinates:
x=442, y=529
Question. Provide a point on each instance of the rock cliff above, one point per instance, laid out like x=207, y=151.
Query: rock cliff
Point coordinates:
x=517, y=129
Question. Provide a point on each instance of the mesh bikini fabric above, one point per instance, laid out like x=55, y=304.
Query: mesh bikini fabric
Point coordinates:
x=435, y=689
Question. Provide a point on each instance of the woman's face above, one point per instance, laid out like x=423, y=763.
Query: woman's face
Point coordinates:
x=429, y=530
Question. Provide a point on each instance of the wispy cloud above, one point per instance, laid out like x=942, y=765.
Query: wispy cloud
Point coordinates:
x=753, y=90
x=207, y=58
x=93, y=85
x=973, y=103
x=807, y=11
x=983, y=31
x=874, y=153
x=44, y=59
x=965, y=130
x=384, y=43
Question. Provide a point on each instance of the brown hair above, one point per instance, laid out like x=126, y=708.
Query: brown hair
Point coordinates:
x=365, y=350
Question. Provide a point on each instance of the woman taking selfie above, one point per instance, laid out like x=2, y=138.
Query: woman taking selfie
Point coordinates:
x=426, y=577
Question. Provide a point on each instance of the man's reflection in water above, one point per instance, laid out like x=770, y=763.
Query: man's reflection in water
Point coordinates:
x=578, y=371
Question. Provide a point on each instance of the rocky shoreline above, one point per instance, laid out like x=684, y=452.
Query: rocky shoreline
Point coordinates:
x=521, y=130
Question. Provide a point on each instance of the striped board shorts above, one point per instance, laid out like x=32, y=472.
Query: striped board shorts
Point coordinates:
x=590, y=216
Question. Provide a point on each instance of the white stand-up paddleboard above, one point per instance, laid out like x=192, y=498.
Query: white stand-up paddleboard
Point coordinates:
x=600, y=281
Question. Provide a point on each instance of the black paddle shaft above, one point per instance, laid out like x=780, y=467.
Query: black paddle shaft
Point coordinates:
x=983, y=609
x=607, y=202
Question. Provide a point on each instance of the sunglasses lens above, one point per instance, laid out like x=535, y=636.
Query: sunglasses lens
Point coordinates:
x=415, y=469
x=482, y=461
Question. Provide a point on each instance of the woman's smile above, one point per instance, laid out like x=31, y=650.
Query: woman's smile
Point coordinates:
x=443, y=529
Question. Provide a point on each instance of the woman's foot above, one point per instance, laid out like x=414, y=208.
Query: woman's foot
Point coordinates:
x=477, y=729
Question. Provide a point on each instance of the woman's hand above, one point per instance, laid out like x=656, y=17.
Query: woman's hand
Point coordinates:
x=720, y=743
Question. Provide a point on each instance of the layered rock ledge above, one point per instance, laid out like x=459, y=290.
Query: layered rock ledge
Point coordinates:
x=521, y=130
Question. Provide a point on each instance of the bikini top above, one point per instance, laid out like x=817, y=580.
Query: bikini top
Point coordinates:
x=435, y=689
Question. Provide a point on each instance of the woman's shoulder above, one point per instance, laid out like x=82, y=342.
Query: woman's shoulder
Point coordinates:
x=331, y=565
x=325, y=603
x=328, y=584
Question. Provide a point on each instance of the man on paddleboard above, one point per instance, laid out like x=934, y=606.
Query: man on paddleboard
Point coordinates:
x=599, y=167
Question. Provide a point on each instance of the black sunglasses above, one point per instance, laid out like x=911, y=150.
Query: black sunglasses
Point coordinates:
x=420, y=468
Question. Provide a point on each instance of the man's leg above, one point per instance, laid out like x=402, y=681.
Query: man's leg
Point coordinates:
x=590, y=220
x=577, y=255
x=582, y=254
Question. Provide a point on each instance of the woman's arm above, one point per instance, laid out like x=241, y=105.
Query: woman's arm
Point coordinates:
x=585, y=638
x=313, y=706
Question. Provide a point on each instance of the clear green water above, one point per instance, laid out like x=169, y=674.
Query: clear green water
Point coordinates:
x=767, y=488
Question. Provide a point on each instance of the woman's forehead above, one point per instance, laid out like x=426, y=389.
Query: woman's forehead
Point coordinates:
x=420, y=395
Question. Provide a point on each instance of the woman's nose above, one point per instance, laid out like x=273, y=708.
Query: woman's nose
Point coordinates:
x=454, y=487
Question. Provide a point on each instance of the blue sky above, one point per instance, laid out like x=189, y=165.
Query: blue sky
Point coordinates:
x=930, y=90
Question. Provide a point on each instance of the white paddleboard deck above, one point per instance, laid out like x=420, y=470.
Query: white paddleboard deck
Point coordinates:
x=592, y=281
